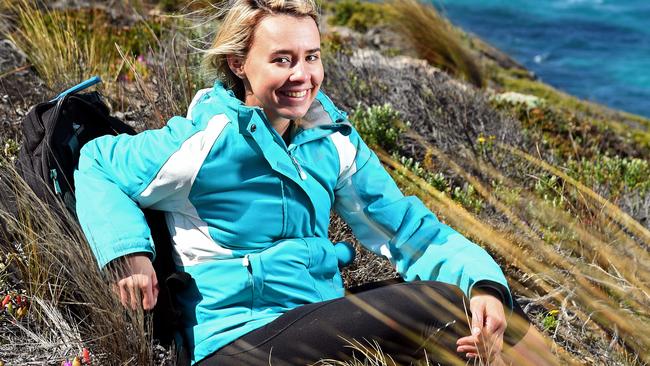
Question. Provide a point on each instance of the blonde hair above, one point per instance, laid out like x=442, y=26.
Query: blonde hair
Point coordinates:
x=235, y=35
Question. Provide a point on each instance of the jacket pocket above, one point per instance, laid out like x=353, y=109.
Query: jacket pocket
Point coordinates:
x=324, y=269
x=220, y=287
x=293, y=272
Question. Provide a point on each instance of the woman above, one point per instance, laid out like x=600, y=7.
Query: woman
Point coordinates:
x=247, y=181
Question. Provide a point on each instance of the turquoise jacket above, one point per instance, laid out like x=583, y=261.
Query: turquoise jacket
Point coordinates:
x=249, y=214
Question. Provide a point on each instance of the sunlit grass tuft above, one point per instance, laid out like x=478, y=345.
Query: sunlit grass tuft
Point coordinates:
x=433, y=38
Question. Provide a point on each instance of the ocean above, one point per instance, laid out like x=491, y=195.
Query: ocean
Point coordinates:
x=598, y=50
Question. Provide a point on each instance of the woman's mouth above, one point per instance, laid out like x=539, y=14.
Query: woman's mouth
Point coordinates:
x=293, y=97
x=295, y=94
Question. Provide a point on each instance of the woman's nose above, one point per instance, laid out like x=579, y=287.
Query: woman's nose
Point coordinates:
x=299, y=72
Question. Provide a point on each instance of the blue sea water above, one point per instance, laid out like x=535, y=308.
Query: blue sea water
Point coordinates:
x=595, y=49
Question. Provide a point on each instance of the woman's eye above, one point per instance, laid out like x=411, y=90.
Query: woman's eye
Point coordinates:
x=282, y=60
x=312, y=57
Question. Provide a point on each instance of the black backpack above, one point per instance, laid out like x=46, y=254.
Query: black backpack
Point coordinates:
x=53, y=134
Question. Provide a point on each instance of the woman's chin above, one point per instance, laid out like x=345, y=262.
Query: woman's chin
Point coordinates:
x=294, y=112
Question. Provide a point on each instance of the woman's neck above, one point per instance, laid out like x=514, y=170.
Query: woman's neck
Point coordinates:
x=280, y=124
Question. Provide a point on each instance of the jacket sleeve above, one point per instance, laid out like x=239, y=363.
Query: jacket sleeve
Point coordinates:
x=117, y=176
x=403, y=229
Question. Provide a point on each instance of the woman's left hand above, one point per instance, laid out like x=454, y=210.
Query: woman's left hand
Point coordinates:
x=488, y=326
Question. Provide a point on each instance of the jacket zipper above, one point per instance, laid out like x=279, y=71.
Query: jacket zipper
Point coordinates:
x=245, y=262
x=302, y=173
x=290, y=151
x=55, y=181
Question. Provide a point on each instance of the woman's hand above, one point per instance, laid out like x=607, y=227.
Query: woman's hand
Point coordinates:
x=488, y=326
x=140, y=277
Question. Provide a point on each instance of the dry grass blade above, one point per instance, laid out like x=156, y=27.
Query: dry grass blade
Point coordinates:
x=610, y=209
x=370, y=354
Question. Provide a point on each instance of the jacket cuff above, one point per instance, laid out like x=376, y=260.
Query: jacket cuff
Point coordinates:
x=123, y=248
x=495, y=289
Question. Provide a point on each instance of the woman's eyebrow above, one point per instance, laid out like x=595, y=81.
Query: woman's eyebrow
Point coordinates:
x=282, y=51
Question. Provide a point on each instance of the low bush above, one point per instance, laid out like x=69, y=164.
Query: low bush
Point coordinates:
x=355, y=14
x=378, y=126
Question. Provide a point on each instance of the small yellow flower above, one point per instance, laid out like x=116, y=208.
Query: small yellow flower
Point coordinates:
x=481, y=140
x=553, y=312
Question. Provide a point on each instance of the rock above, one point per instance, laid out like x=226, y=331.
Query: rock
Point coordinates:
x=20, y=88
x=529, y=101
x=10, y=56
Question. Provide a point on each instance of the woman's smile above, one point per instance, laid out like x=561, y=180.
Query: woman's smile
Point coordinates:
x=294, y=97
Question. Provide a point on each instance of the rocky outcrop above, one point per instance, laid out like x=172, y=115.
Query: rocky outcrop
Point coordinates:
x=447, y=112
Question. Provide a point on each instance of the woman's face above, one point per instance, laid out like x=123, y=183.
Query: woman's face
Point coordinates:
x=283, y=71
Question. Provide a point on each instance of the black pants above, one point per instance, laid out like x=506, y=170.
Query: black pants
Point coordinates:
x=404, y=320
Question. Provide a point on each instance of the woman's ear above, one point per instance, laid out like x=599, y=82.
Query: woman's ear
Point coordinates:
x=236, y=65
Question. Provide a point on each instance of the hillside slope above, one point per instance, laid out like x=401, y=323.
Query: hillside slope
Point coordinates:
x=555, y=188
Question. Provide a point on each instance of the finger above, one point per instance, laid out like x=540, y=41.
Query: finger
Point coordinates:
x=147, y=292
x=132, y=292
x=469, y=340
x=471, y=355
x=466, y=349
x=156, y=288
x=478, y=310
x=124, y=295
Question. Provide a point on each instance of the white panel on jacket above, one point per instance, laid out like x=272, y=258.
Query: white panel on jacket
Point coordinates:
x=195, y=100
x=350, y=205
x=347, y=154
x=169, y=192
x=171, y=186
x=191, y=238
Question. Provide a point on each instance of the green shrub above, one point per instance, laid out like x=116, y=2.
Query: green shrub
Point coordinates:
x=9, y=150
x=465, y=195
x=550, y=321
x=378, y=126
x=356, y=14
x=616, y=173
x=550, y=188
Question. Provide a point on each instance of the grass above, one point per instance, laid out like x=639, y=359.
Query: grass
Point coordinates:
x=355, y=14
x=635, y=130
x=430, y=35
x=66, y=47
x=434, y=39
x=71, y=304
x=556, y=198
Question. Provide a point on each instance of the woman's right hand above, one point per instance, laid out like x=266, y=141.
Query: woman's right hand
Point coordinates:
x=140, y=277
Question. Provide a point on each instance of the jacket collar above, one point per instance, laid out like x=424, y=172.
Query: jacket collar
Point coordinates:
x=322, y=119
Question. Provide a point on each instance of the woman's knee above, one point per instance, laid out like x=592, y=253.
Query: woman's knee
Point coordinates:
x=442, y=292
